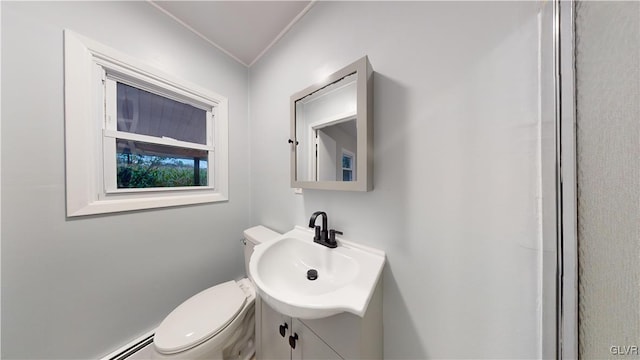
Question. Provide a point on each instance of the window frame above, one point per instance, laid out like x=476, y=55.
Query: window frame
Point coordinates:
x=88, y=65
x=111, y=134
x=352, y=156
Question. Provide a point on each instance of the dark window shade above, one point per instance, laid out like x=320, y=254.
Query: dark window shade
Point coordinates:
x=145, y=113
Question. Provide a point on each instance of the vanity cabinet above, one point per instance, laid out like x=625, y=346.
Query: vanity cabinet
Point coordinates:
x=309, y=345
x=272, y=333
x=342, y=336
x=289, y=338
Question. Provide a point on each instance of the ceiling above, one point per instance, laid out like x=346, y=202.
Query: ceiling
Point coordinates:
x=243, y=29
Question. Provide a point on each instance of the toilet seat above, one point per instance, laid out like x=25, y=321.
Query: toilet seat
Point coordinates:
x=196, y=320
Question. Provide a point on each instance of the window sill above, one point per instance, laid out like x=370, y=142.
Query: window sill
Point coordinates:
x=118, y=204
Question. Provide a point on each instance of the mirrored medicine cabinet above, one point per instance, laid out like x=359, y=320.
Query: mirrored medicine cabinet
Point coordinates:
x=332, y=131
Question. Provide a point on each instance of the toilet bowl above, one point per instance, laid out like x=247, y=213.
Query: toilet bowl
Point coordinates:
x=217, y=323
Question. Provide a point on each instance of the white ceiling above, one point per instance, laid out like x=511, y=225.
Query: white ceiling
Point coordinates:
x=242, y=29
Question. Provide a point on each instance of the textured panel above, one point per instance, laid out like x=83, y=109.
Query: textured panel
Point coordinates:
x=608, y=81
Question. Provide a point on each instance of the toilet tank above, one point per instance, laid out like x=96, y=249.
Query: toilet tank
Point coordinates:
x=254, y=236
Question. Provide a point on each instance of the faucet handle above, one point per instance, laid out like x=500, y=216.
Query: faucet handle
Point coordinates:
x=332, y=235
x=317, y=235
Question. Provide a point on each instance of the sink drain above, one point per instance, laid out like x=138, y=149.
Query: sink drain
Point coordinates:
x=312, y=274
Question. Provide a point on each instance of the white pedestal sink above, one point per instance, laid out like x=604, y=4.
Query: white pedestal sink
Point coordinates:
x=347, y=275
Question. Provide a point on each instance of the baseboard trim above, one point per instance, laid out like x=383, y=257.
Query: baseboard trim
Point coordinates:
x=131, y=348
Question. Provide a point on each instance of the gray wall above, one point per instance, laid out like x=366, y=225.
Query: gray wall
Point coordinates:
x=456, y=203
x=608, y=139
x=82, y=288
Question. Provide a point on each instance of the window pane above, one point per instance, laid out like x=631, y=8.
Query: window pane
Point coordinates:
x=143, y=165
x=347, y=175
x=346, y=161
x=145, y=113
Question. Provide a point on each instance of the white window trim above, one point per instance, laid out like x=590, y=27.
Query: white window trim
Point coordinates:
x=85, y=60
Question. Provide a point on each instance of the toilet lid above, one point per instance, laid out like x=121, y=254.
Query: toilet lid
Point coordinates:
x=199, y=318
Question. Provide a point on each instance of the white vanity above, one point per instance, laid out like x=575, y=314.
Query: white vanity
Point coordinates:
x=342, y=336
x=335, y=314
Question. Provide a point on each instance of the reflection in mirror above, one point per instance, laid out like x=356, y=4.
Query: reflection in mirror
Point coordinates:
x=326, y=132
x=332, y=131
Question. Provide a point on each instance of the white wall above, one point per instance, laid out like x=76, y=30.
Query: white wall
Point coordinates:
x=457, y=182
x=81, y=288
x=608, y=149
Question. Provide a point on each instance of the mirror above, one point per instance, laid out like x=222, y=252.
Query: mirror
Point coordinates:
x=332, y=133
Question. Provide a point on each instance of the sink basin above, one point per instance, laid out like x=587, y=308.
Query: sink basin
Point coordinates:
x=346, y=275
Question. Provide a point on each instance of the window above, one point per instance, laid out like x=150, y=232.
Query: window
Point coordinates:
x=156, y=142
x=137, y=138
x=348, y=167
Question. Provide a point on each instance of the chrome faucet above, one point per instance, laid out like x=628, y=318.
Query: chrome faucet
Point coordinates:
x=322, y=236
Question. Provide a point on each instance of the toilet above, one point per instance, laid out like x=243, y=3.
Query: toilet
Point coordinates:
x=217, y=323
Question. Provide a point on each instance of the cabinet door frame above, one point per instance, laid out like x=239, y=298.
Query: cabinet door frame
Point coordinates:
x=309, y=345
x=270, y=321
